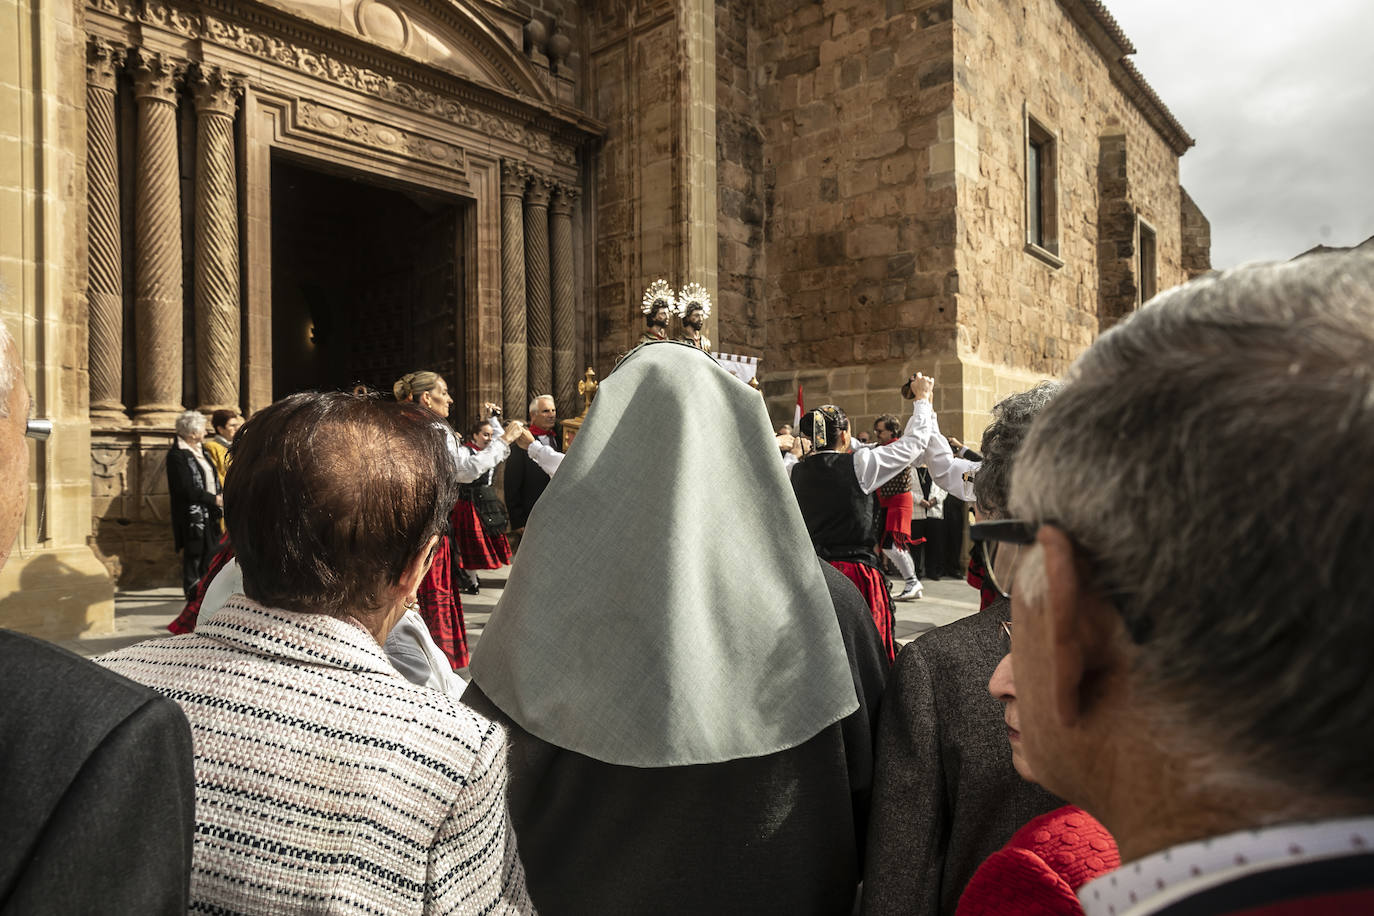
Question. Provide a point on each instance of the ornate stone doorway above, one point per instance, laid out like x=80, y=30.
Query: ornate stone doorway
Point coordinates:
x=367, y=281
x=431, y=161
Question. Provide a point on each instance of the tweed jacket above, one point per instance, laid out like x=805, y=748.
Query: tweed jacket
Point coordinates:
x=97, y=803
x=945, y=795
x=325, y=781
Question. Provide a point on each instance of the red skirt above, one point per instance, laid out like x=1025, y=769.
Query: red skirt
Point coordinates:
x=873, y=586
x=442, y=609
x=477, y=548
x=897, y=520
x=186, y=620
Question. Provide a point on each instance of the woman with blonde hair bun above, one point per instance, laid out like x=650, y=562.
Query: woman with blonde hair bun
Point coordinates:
x=440, y=605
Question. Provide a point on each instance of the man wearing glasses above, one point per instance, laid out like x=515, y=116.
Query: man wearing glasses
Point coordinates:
x=1192, y=617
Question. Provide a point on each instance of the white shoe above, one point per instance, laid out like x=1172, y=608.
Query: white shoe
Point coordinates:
x=911, y=592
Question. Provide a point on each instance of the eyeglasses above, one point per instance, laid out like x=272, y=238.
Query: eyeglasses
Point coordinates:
x=1006, y=633
x=1002, y=544
x=38, y=429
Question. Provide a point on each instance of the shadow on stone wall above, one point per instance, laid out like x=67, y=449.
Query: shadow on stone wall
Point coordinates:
x=132, y=533
x=51, y=595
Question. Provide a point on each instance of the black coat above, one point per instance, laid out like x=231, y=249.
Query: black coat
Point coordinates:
x=192, y=497
x=945, y=794
x=525, y=483
x=781, y=833
x=97, y=787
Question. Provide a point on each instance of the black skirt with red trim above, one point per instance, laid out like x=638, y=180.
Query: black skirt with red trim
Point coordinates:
x=873, y=586
x=476, y=547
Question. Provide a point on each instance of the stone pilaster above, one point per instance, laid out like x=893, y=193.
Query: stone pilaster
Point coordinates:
x=538, y=312
x=217, y=242
x=563, y=285
x=513, y=339
x=157, y=240
x=105, y=272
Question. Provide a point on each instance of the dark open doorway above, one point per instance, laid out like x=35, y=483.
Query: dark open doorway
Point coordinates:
x=367, y=282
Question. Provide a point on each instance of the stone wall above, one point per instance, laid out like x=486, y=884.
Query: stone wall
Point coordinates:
x=859, y=153
x=652, y=82
x=1024, y=316
x=1197, y=236
x=52, y=586
x=740, y=182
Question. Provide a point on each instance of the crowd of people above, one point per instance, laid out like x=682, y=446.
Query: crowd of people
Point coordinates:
x=689, y=698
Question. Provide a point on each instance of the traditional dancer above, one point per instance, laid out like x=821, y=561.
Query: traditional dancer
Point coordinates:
x=479, y=519
x=834, y=488
x=896, y=501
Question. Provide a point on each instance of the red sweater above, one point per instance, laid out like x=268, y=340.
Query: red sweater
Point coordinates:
x=1041, y=867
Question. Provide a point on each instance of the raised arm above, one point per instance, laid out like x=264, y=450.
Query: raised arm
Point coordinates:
x=955, y=475
x=877, y=465
x=473, y=464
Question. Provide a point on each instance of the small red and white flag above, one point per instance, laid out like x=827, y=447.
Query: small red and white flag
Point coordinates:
x=797, y=414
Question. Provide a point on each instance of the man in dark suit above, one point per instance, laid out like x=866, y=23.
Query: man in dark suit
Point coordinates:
x=96, y=778
x=945, y=795
x=1192, y=661
x=529, y=469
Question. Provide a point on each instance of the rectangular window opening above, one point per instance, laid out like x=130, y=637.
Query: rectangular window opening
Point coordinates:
x=1147, y=270
x=1042, y=191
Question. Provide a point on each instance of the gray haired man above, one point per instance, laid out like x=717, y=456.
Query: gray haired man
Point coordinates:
x=1192, y=616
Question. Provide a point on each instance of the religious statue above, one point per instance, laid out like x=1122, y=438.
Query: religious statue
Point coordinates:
x=658, y=304
x=694, y=307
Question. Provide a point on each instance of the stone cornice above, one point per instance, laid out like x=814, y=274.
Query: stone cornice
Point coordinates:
x=1102, y=30
x=354, y=64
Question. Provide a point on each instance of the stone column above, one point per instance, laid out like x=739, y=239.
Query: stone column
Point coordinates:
x=564, y=301
x=217, y=242
x=538, y=313
x=105, y=271
x=513, y=371
x=157, y=240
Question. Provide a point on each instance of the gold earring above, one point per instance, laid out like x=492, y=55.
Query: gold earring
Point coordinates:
x=412, y=603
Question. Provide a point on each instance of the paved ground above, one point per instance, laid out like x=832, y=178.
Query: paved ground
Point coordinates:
x=141, y=615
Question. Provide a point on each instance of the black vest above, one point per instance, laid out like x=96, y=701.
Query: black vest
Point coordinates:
x=840, y=517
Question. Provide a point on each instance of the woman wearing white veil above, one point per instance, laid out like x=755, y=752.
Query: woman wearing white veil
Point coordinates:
x=689, y=692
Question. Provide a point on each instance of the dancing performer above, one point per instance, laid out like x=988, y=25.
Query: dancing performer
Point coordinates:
x=479, y=519
x=834, y=487
x=896, y=501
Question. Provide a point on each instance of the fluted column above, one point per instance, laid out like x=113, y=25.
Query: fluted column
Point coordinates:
x=538, y=313
x=217, y=242
x=157, y=240
x=513, y=341
x=105, y=272
x=564, y=301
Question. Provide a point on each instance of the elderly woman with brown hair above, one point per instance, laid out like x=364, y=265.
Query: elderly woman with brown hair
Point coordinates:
x=325, y=781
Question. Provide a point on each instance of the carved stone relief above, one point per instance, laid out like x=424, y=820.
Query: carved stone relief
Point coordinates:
x=331, y=122
x=321, y=65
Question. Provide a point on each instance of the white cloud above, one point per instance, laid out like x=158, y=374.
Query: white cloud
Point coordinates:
x=1281, y=102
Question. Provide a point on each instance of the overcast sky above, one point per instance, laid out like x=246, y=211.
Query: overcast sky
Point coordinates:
x=1280, y=99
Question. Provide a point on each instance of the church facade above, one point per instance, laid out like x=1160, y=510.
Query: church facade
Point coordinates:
x=217, y=203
